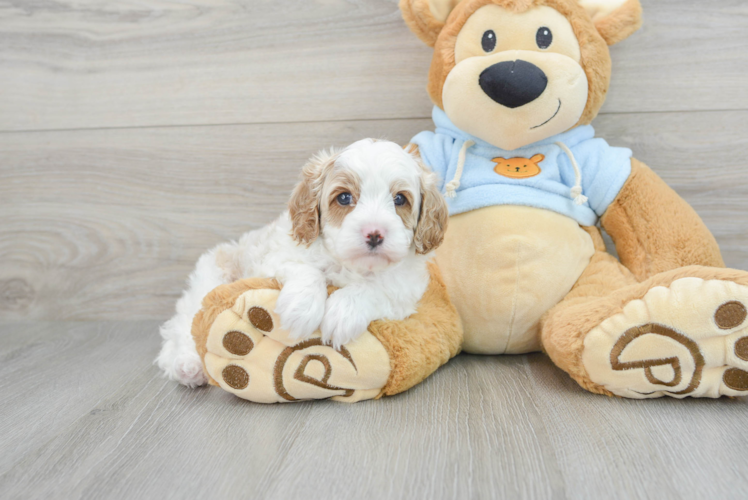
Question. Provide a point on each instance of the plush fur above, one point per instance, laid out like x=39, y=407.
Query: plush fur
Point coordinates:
x=423, y=342
x=418, y=15
x=564, y=327
x=655, y=230
x=621, y=23
x=373, y=244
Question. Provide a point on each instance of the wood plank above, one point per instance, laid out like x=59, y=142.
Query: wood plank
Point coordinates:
x=618, y=448
x=95, y=221
x=107, y=224
x=53, y=373
x=72, y=64
x=481, y=427
x=152, y=438
x=689, y=55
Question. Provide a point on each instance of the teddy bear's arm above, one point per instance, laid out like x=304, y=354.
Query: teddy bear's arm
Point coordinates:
x=654, y=229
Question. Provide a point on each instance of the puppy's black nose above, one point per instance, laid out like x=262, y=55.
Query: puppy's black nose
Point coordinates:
x=374, y=239
x=513, y=83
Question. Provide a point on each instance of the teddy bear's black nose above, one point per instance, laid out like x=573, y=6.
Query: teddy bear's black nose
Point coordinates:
x=513, y=83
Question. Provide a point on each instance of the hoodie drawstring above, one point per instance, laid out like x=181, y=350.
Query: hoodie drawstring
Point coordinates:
x=576, y=191
x=452, y=185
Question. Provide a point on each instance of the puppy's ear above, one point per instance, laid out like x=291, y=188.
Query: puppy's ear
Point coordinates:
x=615, y=20
x=426, y=18
x=433, y=217
x=304, y=205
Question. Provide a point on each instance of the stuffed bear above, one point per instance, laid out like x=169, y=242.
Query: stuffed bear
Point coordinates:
x=516, y=84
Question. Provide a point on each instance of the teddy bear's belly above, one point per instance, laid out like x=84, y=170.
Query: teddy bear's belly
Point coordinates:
x=505, y=266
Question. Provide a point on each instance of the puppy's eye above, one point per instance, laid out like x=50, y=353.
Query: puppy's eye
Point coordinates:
x=344, y=199
x=489, y=41
x=400, y=199
x=544, y=38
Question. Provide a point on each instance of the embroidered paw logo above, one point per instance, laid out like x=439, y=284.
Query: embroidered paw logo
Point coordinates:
x=666, y=371
x=518, y=168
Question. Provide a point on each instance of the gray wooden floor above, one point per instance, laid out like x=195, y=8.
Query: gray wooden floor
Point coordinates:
x=135, y=134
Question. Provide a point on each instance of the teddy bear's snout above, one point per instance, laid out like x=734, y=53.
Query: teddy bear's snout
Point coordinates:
x=513, y=83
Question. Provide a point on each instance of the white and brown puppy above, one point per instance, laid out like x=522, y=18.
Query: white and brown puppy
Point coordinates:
x=364, y=219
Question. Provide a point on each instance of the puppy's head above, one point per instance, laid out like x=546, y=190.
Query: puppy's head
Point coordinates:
x=372, y=204
x=513, y=72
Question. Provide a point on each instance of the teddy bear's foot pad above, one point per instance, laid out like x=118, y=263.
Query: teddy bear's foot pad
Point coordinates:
x=687, y=339
x=251, y=356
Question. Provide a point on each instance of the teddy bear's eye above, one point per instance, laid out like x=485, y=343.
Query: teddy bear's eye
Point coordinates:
x=489, y=41
x=544, y=38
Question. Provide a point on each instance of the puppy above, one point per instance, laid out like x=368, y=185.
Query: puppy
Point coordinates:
x=363, y=219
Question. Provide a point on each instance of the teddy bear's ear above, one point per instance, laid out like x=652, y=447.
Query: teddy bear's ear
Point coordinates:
x=426, y=18
x=615, y=20
x=537, y=158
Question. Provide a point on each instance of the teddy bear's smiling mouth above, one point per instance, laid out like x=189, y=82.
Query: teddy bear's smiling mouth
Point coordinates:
x=549, y=119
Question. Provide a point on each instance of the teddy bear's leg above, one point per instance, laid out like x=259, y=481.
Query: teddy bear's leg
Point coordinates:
x=680, y=333
x=246, y=352
x=562, y=339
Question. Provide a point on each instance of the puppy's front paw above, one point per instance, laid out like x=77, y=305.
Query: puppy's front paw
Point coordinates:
x=343, y=321
x=301, y=309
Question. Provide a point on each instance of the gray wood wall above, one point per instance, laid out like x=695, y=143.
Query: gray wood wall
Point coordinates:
x=134, y=138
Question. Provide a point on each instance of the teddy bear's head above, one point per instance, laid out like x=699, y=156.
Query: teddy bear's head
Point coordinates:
x=514, y=72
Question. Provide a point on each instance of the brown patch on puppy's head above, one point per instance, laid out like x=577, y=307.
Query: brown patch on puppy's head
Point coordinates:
x=407, y=212
x=433, y=215
x=340, y=183
x=513, y=72
x=304, y=205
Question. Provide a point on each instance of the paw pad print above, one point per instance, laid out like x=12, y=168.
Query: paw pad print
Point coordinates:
x=251, y=356
x=688, y=339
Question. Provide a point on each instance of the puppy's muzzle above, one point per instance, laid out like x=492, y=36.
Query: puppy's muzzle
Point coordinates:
x=513, y=83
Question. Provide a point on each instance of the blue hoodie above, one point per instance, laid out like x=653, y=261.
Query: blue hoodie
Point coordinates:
x=604, y=170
